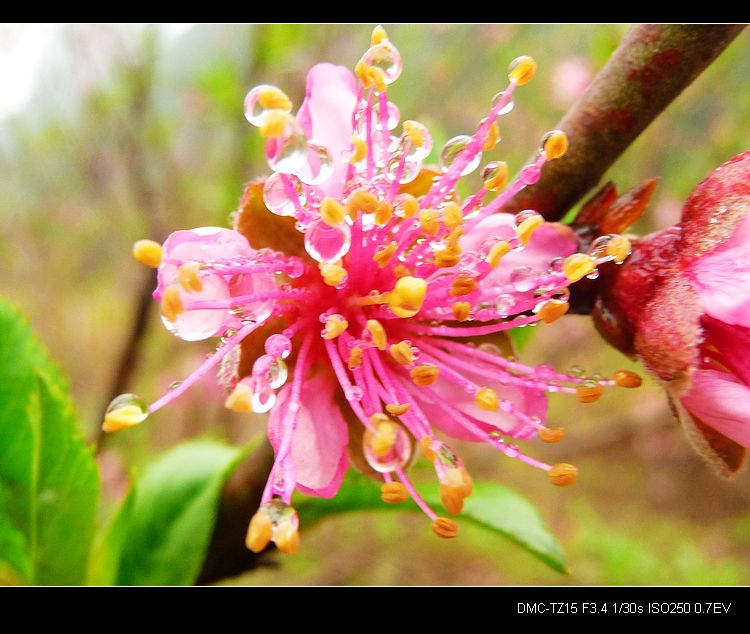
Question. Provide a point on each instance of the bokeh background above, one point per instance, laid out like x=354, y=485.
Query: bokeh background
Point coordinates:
x=111, y=133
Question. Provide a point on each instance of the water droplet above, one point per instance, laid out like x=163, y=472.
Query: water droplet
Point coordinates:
x=295, y=268
x=263, y=398
x=409, y=172
x=288, y=153
x=255, y=113
x=319, y=165
x=276, y=197
x=174, y=385
x=491, y=170
x=530, y=174
x=507, y=107
x=128, y=400
x=504, y=304
x=416, y=152
x=490, y=348
x=353, y=393
x=576, y=371
x=397, y=457
x=278, y=345
x=523, y=278
x=545, y=372
x=524, y=215
x=393, y=114
x=453, y=149
x=556, y=264
x=401, y=202
x=386, y=57
x=327, y=244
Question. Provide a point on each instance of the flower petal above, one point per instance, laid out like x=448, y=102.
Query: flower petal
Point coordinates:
x=319, y=443
x=326, y=117
x=721, y=401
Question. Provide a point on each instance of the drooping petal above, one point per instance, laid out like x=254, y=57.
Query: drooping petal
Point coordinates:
x=727, y=345
x=721, y=401
x=319, y=443
x=326, y=117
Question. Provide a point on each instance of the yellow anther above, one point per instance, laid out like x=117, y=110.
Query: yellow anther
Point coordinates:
x=577, y=266
x=384, y=437
x=427, y=451
x=360, y=200
x=467, y=483
x=498, y=250
x=446, y=258
x=453, y=501
x=408, y=206
x=148, y=253
x=332, y=212
x=187, y=277
x=376, y=330
x=402, y=353
x=383, y=213
x=429, y=221
x=463, y=284
x=171, y=303
x=618, y=248
x=355, y=357
x=487, y=399
x=459, y=479
x=275, y=124
x=452, y=239
x=407, y=296
x=378, y=35
x=397, y=409
x=445, y=528
x=370, y=76
x=554, y=434
x=335, y=325
x=401, y=270
x=588, y=393
x=259, y=532
x=370, y=300
x=528, y=227
x=498, y=178
x=555, y=144
x=240, y=400
x=522, y=70
x=414, y=132
x=453, y=216
x=493, y=136
x=286, y=538
x=563, y=474
x=378, y=418
x=383, y=257
x=626, y=378
x=273, y=98
x=332, y=274
x=359, y=149
x=123, y=418
x=424, y=374
x=393, y=493
x=461, y=311
x=552, y=310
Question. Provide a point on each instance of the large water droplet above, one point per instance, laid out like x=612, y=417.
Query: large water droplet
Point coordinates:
x=278, y=345
x=504, y=304
x=507, y=107
x=319, y=165
x=416, y=151
x=288, y=153
x=276, y=197
x=524, y=215
x=255, y=112
x=327, y=244
x=453, y=149
x=409, y=171
x=386, y=57
x=397, y=457
x=278, y=373
x=128, y=400
x=523, y=278
x=353, y=393
x=393, y=115
x=263, y=398
x=598, y=248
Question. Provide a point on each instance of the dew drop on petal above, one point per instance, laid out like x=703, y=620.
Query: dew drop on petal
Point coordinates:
x=598, y=248
x=327, y=244
x=276, y=197
x=386, y=57
x=523, y=278
x=255, y=113
x=397, y=457
x=263, y=398
x=288, y=153
x=393, y=114
x=353, y=393
x=278, y=345
x=409, y=171
x=318, y=167
x=524, y=215
x=453, y=149
x=504, y=304
x=507, y=107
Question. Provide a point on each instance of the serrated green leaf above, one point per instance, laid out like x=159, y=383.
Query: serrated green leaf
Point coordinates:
x=491, y=506
x=48, y=478
x=163, y=538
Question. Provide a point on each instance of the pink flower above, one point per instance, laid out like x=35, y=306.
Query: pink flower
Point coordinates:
x=360, y=267
x=682, y=303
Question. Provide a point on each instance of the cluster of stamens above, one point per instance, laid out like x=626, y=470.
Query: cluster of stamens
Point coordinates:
x=389, y=288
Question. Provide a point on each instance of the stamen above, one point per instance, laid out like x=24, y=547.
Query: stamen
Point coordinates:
x=171, y=303
x=554, y=144
x=402, y=352
x=335, y=325
x=424, y=374
x=463, y=284
x=376, y=330
x=626, y=378
x=275, y=124
x=332, y=212
x=407, y=296
x=487, y=399
x=397, y=409
x=445, y=528
x=563, y=474
x=187, y=277
x=461, y=310
x=528, y=226
x=577, y=266
x=355, y=358
x=429, y=221
x=259, y=532
x=588, y=392
x=493, y=136
x=522, y=70
x=393, y=493
x=551, y=310
x=359, y=152
x=498, y=250
x=148, y=253
x=333, y=274
x=551, y=435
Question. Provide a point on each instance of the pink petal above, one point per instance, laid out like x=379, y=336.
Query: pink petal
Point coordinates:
x=320, y=440
x=721, y=401
x=326, y=117
x=732, y=344
x=723, y=276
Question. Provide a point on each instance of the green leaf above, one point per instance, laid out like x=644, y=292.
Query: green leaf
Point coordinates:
x=164, y=535
x=49, y=482
x=491, y=506
x=104, y=564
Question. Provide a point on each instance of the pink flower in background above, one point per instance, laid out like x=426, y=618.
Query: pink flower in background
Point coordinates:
x=572, y=76
x=350, y=291
x=683, y=301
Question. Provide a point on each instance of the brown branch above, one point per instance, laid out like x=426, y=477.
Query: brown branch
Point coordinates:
x=651, y=67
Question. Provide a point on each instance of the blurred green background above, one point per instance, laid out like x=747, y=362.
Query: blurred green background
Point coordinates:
x=111, y=133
